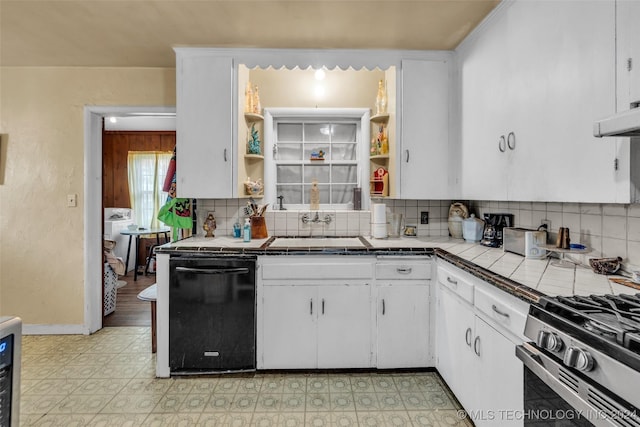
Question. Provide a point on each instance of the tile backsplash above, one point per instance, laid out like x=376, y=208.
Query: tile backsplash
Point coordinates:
x=608, y=229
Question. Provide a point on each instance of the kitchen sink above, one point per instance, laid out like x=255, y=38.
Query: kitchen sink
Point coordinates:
x=323, y=242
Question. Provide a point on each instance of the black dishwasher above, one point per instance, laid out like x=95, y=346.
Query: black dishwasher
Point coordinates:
x=212, y=321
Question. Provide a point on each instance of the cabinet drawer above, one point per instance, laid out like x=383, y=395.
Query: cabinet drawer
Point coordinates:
x=506, y=310
x=404, y=271
x=456, y=283
x=318, y=270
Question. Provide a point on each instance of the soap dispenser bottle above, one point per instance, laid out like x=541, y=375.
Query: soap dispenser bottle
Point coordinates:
x=246, y=231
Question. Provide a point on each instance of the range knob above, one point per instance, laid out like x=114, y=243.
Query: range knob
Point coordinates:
x=579, y=359
x=549, y=341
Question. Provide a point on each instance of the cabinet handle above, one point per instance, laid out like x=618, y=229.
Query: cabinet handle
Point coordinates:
x=406, y=152
x=511, y=140
x=467, y=337
x=323, y=306
x=404, y=270
x=225, y=154
x=476, y=346
x=501, y=313
x=311, y=306
x=502, y=144
x=383, y=307
x=453, y=282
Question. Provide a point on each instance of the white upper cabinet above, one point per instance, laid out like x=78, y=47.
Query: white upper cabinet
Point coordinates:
x=204, y=125
x=425, y=172
x=533, y=80
x=628, y=55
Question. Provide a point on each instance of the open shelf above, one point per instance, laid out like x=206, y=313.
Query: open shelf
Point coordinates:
x=380, y=118
x=254, y=156
x=253, y=117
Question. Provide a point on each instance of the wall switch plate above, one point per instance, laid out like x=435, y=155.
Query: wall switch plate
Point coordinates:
x=72, y=200
x=424, y=217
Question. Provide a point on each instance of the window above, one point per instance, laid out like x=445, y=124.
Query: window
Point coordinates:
x=298, y=142
x=147, y=171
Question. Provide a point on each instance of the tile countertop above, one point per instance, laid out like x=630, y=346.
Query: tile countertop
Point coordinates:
x=539, y=277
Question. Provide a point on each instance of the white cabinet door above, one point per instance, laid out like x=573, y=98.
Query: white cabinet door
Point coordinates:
x=628, y=45
x=289, y=327
x=403, y=326
x=561, y=80
x=484, y=105
x=204, y=129
x=344, y=326
x=455, y=359
x=425, y=171
x=500, y=378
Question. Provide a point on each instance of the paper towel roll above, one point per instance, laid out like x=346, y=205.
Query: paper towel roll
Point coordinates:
x=379, y=231
x=379, y=213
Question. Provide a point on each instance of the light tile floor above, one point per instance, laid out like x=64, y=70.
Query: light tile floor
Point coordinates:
x=108, y=379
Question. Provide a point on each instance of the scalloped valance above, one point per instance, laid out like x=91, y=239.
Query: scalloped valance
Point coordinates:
x=315, y=58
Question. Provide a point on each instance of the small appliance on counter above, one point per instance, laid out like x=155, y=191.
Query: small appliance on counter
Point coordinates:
x=472, y=229
x=525, y=242
x=494, y=223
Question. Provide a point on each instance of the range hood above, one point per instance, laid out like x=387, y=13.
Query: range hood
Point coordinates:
x=621, y=124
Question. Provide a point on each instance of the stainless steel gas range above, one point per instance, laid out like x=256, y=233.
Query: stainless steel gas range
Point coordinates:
x=583, y=366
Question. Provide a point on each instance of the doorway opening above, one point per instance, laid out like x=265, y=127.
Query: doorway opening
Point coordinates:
x=138, y=131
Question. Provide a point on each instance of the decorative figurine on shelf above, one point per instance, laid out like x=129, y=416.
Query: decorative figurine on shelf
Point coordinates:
x=381, y=99
x=257, y=108
x=254, y=188
x=314, y=196
x=209, y=225
x=253, y=144
x=317, y=155
x=374, y=147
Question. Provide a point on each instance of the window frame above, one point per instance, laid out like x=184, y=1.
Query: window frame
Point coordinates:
x=359, y=116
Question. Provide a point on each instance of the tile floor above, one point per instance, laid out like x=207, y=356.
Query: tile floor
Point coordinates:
x=108, y=379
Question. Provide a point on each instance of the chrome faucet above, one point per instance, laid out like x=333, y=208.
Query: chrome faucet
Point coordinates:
x=306, y=219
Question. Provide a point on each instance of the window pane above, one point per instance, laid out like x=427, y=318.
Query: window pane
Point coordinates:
x=343, y=151
x=344, y=173
x=289, y=173
x=317, y=132
x=344, y=133
x=289, y=132
x=324, y=193
x=342, y=194
x=319, y=172
x=289, y=152
x=290, y=193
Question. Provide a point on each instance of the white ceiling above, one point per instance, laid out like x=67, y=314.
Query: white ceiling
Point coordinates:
x=141, y=33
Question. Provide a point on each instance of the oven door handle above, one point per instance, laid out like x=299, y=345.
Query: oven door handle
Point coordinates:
x=537, y=361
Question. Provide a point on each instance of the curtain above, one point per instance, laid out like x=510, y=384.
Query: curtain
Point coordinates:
x=147, y=170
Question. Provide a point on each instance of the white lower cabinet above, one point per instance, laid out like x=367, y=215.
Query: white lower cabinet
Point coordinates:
x=475, y=349
x=403, y=326
x=317, y=326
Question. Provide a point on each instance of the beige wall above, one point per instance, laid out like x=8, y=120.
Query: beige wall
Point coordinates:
x=41, y=240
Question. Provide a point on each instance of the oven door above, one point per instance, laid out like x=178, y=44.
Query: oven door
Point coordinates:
x=561, y=397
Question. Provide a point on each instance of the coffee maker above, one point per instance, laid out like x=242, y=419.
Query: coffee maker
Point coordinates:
x=494, y=223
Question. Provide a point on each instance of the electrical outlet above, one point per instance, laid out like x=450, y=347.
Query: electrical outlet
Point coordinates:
x=72, y=200
x=424, y=217
x=546, y=222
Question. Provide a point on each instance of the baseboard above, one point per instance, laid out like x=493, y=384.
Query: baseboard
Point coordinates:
x=31, y=329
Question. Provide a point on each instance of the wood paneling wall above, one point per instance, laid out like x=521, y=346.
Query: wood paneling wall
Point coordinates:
x=115, y=149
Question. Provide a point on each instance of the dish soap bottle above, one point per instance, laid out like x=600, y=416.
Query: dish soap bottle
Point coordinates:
x=246, y=231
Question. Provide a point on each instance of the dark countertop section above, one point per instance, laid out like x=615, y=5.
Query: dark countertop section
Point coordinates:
x=512, y=287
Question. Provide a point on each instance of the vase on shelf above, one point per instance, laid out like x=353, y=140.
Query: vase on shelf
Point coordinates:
x=381, y=99
x=248, y=99
x=257, y=108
